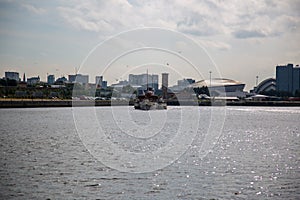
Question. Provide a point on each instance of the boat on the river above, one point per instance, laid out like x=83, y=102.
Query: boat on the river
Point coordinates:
x=149, y=101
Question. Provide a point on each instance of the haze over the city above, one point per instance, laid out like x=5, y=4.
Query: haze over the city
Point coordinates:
x=244, y=39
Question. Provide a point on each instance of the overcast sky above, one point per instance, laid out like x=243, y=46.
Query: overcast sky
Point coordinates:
x=244, y=39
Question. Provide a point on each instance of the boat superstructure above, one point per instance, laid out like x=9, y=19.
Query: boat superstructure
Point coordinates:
x=149, y=101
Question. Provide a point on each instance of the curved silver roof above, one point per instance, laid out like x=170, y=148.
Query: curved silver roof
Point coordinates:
x=216, y=82
x=266, y=85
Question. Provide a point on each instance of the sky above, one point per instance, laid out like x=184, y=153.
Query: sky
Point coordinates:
x=233, y=39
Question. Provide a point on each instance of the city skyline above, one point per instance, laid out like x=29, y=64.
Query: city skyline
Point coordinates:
x=133, y=79
x=286, y=84
x=244, y=39
x=136, y=79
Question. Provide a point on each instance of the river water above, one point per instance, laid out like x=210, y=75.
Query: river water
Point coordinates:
x=119, y=153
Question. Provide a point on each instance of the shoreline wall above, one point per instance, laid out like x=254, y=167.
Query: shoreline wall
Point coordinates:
x=35, y=103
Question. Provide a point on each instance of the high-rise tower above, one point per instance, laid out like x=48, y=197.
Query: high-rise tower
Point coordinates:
x=288, y=79
x=24, y=78
x=165, y=82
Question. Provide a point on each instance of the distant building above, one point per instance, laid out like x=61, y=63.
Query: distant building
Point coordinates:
x=185, y=82
x=12, y=76
x=98, y=81
x=182, y=84
x=190, y=81
x=33, y=80
x=79, y=78
x=266, y=86
x=120, y=85
x=221, y=87
x=123, y=82
x=143, y=79
x=104, y=84
x=61, y=80
x=23, y=84
x=24, y=77
x=90, y=86
x=50, y=79
x=165, y=84
x=288, y=79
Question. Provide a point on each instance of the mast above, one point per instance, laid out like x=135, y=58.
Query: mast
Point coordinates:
x=147, y=79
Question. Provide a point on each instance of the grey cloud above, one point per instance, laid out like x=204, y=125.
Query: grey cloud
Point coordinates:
x=196, y=25
x=242, y=34
x=255, y=19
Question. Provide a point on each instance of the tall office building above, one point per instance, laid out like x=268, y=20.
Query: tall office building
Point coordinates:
x=79, y=78
x=165, y=82
x=288, y=78
x=185, y=82
x=12, y=76
x=50, y=79
x=98, y=81
x=104, y=84
x=33, y=80
x=143, y=79
x=24, y=77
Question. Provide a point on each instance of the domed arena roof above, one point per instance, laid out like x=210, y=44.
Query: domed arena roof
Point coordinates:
x=216, y=82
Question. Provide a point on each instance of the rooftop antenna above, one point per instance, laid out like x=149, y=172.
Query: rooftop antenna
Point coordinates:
x=209, y=78
x=256, y=80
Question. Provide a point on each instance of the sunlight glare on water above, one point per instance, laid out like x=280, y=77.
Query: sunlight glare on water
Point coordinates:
x=256, y=156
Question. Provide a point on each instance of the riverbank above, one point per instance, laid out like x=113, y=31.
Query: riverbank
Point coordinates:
x=32, y=103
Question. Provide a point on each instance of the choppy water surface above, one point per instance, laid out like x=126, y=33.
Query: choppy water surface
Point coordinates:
x=255, y=157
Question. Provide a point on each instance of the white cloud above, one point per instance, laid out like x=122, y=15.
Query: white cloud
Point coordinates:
x=215, y=44
x=240, y=19
x=260, y=18
x=34, y=9
x=253, y=33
